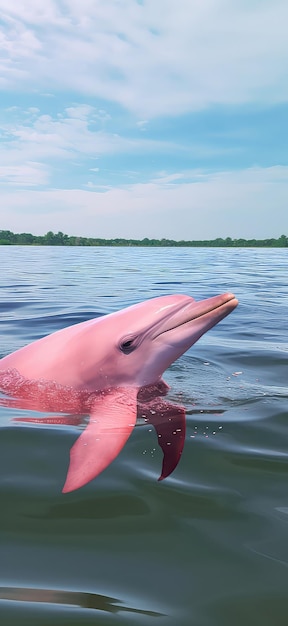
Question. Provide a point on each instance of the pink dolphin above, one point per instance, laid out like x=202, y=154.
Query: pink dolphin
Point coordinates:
x=111, y=367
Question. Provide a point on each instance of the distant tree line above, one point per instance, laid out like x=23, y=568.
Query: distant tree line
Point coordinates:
x=59, y=239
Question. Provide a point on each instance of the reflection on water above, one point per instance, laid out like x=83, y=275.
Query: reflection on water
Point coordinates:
x=206, y=546
x=72, y=598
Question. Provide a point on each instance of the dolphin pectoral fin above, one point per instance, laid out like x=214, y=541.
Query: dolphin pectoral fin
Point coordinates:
x=169, y=421
x=112, y=419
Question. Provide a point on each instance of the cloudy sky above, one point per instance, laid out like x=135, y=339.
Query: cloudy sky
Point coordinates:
x=152, y=118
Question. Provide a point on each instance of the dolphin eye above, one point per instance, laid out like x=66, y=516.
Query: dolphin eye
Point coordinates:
x=128, y=345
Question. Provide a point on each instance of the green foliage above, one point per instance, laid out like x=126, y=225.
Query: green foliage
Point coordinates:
x=59, y=239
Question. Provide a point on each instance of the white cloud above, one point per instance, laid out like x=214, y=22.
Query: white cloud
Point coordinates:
x=236, y=204
x=165, y=179
x=27, y=175
x=142, y=125
x=80, y=112
x=65, y=137
x=152, y=58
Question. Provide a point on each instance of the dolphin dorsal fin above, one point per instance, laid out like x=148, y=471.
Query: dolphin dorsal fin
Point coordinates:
x=112, y=418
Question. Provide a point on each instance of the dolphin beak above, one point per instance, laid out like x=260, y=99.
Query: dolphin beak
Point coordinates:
x=198, y=316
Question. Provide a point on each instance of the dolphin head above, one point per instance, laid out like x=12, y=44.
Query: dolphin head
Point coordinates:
x=116, y=355
x=133, y=347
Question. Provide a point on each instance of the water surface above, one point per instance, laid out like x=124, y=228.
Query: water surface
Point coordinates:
x=209, y=545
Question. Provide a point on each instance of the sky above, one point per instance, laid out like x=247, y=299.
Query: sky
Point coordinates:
x=152, y=118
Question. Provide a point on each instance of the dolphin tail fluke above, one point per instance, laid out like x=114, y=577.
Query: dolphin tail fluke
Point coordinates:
x=112, y=419
x=169, y=421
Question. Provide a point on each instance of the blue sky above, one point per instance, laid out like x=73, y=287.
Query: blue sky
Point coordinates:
x=158, y=118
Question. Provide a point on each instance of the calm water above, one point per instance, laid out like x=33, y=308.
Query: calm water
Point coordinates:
x=207, y=546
